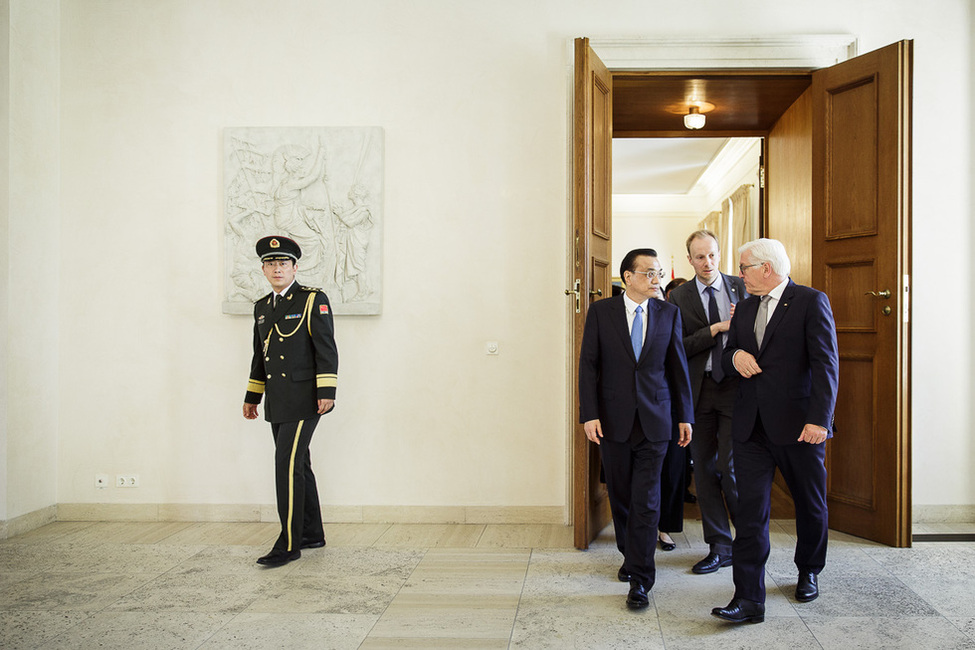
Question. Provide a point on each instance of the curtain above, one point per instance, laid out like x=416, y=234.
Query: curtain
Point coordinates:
x=744, y=209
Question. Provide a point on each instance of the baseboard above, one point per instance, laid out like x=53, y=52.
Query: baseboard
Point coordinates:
x=28, y=522
x=935, y=514
x=331, y=514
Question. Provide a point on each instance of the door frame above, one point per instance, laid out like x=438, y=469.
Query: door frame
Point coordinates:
x=800, y=52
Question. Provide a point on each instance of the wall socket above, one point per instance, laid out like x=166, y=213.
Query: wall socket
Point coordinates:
x=127, y=480
x=102, y=481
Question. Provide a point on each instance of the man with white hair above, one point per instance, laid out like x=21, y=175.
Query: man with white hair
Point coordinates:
x=782, y=343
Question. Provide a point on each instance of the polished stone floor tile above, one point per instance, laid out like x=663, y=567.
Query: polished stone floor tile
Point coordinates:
x=354, y=534
x=448, y=616
x=50, y=532
x=158, y=585
x=599, y=622
x=966, y=625
x=126, y=532
x=225, y=533
x=70, y=591
x=889, y=632
x=261, y=631
x=851, y=582
x=696, y=632
x=431, y=535
x=29, y=630
x=358, y=562
x=142, y=631
x=309, y=594
x=526, y=536
x=447, y=643
x=196, y=591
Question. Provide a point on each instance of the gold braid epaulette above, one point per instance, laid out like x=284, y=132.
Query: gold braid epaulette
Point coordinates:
x=304, y=288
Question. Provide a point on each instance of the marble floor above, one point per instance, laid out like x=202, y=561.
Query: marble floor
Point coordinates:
x=196, y=585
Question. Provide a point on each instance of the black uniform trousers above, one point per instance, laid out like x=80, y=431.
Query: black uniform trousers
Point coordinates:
x=803, y=467
x=632, y=471
x=297, y=493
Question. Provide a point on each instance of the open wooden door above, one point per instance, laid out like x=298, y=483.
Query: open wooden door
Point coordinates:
x=592, y=223
x=861, y=257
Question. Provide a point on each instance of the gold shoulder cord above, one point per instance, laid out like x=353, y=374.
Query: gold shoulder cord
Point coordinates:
x=306, y=314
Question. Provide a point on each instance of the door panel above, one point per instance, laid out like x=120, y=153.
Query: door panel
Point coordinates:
x=592, y=222
x=861, y=244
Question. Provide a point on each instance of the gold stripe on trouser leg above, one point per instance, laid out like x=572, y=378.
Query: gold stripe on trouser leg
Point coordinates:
x=291, y=484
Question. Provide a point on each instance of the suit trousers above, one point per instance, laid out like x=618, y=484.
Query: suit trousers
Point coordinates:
x=672, y=485
x=803, y=467
x=632, y=471
x=714, y=465
x=299, y=509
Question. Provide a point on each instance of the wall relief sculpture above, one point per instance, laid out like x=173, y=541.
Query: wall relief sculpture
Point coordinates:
x=321, y=186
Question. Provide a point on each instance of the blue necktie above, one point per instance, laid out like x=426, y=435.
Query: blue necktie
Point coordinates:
x=714, y=316
x=636, y=334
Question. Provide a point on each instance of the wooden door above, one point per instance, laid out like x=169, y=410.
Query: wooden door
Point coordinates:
x=861, y=257
x=592, y=224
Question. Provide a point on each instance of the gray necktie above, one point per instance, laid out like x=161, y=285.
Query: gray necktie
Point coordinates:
x=761, y=320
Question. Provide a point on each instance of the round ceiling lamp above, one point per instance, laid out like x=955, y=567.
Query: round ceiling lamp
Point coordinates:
x=694, y=119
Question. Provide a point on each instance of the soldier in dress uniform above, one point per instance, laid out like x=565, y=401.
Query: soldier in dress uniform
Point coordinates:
x=295, y=363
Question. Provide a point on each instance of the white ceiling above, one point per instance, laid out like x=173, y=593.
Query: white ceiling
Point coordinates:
x=661, y=165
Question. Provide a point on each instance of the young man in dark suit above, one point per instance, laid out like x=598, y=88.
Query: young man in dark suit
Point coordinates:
x=782, y=343
x=631, y=368
x=295, y=364
x=706, y=305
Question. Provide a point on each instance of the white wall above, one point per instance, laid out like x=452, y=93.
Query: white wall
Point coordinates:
x=665, y=234
x=473, y=97
x=30, y=278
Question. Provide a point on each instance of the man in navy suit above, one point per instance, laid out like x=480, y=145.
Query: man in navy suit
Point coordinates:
x=631, y=369
x=782, y=342
x=706, y=306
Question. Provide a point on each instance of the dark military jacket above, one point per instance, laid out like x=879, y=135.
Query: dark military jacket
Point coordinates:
x=295, y=360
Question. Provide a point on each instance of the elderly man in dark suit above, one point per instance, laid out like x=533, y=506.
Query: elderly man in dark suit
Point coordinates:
x=631, y=369
x=782, y=343
x=706, y=306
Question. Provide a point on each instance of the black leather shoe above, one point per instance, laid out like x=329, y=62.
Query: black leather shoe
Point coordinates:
x=637, y=598
x=666, y=546
x=740, y=610
x=711, y=563
x=312, y=543
x=623, y=575
x=689, y=497
x=278, y=557
x=807, y=588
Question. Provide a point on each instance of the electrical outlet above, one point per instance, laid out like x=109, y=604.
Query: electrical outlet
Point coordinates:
x=127, y=481
x=102, y=481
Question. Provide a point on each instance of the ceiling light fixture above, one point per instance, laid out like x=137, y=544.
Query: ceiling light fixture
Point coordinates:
x=694, y=119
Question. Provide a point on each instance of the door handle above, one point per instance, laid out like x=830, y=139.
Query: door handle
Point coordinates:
x=885, y=294
x=595, y=292
x=575, y=292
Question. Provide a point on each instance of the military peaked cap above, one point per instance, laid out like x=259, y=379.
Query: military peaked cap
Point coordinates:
x=278, y=248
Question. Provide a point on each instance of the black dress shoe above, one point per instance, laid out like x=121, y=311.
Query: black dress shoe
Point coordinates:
x=637, y=598
x=278, y=557
x=666, y=546
x=689, y=497
x=711, y=563
x=623, y=575
x=740, y=610
x=312, y=543
x=807, y=588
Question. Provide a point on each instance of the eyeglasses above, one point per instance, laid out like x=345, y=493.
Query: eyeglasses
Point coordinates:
x=651, y=274
x=742, y=267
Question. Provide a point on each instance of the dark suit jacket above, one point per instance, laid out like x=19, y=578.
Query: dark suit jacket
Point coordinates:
x=614, y=385
x=295, y=358
x=698, y=341
x=799, y=362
